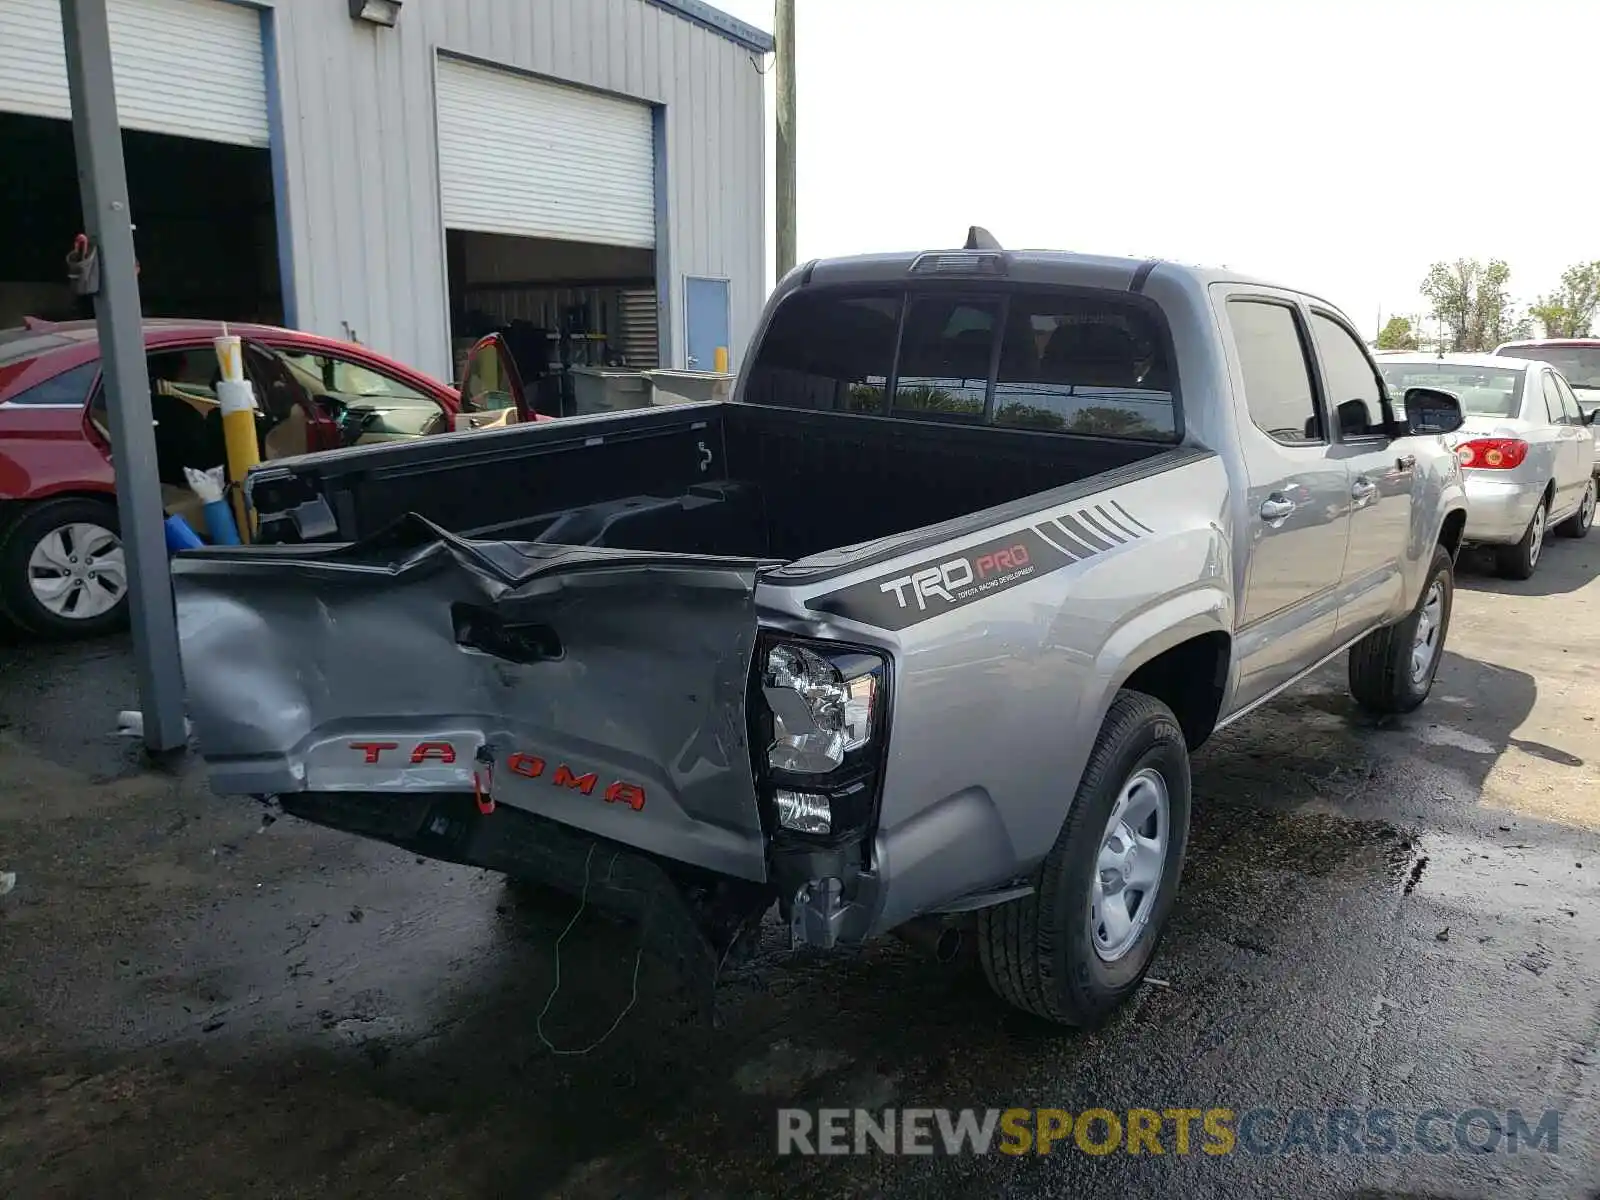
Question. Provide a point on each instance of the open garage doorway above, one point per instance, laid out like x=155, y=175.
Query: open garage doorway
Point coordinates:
x=205, y=226
x=567, y=310
x=549, y=195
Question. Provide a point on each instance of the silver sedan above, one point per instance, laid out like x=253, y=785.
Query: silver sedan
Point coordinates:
x=1525, y=449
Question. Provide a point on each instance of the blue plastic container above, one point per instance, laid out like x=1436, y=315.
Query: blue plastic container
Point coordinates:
x=220, y=525
x=180, y=536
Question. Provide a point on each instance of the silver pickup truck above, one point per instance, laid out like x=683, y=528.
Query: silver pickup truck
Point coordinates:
x=918, y=629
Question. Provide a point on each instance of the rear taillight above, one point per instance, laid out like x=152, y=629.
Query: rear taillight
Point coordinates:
x=1493, y=454
x=819, y=735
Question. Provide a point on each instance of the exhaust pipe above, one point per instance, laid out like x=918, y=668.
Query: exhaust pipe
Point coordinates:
x=933, y=935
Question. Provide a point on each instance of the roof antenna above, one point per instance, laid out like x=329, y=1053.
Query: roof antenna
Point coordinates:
x=979, y=238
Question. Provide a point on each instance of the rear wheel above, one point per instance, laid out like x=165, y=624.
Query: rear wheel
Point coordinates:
x=1080, y=944
x=62, y=572
x=1580, y=522
x=1520, y=561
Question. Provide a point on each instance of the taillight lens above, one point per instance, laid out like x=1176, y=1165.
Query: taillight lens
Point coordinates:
x=819, y=736
x=1493, y=454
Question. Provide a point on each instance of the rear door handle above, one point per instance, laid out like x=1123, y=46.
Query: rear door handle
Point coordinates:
x=1405, y=462
x=1276, y=508
x=1363, y=489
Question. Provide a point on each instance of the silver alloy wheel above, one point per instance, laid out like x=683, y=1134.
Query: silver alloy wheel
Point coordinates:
x=1128, y=869
x=1425, y=646
x=1586, y=509
x=77, y=572
x=1537, y=529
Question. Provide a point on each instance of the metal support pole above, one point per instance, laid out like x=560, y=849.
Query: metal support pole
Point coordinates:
x=103, y=184
x=783, y=35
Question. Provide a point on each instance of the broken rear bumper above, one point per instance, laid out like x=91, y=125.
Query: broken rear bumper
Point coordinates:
x=690, y=921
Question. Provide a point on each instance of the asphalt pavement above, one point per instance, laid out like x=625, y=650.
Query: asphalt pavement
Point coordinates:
x=201, y=997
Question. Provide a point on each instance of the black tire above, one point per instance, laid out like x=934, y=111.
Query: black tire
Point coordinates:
x=1520, y=561
x=1038, y=951
x=1580, y=522
x=1381, y=676
x=17, y=544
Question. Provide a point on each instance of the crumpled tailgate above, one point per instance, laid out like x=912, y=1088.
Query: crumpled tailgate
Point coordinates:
x=601, y=688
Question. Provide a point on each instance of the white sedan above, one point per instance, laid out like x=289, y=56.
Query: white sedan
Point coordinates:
x=1525, y=449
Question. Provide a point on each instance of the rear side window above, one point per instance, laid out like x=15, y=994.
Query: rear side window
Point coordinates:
x=1569, y=403
x=1082, y=366
x=68, y=389
x=1277, y=377
x=1053, y=361
x=828, y=351
x=1552, y=399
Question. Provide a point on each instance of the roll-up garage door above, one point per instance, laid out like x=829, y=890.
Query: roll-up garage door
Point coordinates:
x=186, y=67
x=524, y=157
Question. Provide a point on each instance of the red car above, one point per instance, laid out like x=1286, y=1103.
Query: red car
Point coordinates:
x=61, y=566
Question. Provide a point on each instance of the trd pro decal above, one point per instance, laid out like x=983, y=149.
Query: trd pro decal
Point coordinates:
x=941, y=585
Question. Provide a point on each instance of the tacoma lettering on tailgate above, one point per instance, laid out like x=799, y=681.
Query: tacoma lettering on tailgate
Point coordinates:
x=528, y=766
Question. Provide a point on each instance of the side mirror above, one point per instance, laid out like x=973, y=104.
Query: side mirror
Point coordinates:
x=1429, y=410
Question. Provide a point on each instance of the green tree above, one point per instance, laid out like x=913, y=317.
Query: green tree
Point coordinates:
x=1398, y=334
x=1569, y=311
x=1472, y=301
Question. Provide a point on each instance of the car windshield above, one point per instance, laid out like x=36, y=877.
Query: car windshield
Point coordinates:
x=1580, y=364
x=1483, y=391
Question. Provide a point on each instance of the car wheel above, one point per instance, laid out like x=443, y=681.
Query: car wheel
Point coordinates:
x=1580, y=522
x=1392, y=669
x=62, y=572
x=1077, y=947
x=1520, y=561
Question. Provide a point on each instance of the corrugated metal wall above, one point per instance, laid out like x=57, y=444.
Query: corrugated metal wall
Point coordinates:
x=360, y=150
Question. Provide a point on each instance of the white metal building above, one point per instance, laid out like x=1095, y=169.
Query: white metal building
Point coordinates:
x=593, y=164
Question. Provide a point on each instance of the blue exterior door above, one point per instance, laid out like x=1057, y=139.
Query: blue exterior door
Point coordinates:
x=706, y=319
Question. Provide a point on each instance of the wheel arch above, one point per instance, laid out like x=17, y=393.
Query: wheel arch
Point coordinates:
x=1179, y=651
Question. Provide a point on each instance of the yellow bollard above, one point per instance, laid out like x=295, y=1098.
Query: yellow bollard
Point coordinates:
x=236, y=398
x=720, y=360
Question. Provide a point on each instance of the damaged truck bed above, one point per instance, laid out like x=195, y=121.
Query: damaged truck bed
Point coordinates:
x=919, y=627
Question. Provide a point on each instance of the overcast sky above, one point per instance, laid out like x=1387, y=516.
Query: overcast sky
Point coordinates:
x=1335, y=145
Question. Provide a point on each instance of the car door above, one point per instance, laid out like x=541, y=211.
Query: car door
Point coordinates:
x=1579, y=439
x=1296, y=509
x=1565, y=432
x=368, y=403
x=1589, y=443
x=1382, y=478
x=290, y=423
x=492, y=395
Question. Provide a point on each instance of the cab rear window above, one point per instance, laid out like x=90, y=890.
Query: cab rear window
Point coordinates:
x=1084, y=363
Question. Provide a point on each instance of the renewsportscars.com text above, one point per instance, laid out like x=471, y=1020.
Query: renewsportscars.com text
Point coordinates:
x=1149, y=1131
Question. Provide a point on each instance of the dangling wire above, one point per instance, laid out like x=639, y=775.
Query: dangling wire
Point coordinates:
x=538, y=1025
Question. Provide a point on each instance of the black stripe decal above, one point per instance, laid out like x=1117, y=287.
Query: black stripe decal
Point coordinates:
x=1094, y=521
x=1045, y=534
x=1106, y=519
x=1077, y=530
x=1083, y=549
x=1131, y=517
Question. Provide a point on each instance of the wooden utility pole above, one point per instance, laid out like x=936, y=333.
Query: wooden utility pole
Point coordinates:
x=784, y=36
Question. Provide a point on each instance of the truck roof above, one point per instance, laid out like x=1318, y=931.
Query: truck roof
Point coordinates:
x=1041, y=266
